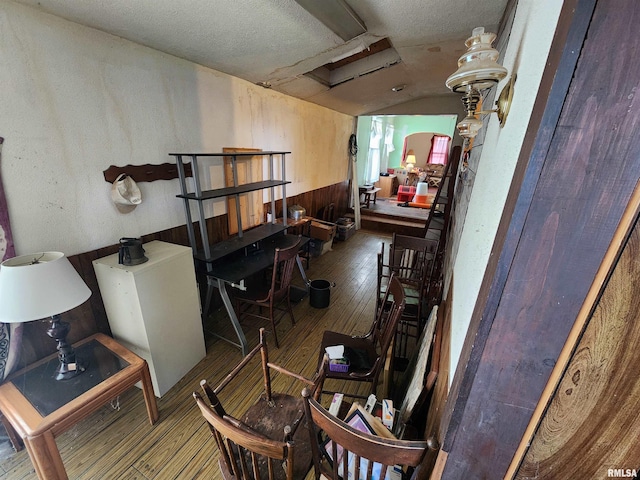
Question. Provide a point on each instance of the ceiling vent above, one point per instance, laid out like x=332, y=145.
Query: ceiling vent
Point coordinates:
x=377, y=56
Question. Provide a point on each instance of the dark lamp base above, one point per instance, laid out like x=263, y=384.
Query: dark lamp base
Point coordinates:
x=69, y=366
x=65, y=371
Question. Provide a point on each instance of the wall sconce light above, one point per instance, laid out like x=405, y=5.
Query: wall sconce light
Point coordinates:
x=478, y=70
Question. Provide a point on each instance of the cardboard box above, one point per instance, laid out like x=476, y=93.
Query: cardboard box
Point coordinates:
x=345, y=229
x=318, y=247
x=324, y=231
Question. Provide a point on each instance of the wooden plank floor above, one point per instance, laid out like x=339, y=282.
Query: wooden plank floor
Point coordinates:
x=117, y=442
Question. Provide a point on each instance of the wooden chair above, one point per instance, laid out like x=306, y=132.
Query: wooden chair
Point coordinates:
x=326, y=213
x=371, y=457
x=273, y=295
x=412, y=260
x=270, y=439
x=368, y=352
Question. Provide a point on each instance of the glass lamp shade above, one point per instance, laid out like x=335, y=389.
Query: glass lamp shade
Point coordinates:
x=477, y=67
x=37, y=286
x=469, y=127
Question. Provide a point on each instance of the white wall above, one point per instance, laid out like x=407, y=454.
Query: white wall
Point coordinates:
x=525, y=54
x=75, y=101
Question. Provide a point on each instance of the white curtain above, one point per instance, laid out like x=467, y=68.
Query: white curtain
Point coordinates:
x=380, y=147
x=387, y=147
x=372, y=170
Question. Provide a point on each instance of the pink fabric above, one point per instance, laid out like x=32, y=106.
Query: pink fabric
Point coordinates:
x=439, y=149
x=10, y=334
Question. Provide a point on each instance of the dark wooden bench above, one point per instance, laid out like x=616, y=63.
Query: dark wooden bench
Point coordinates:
x=368, y=193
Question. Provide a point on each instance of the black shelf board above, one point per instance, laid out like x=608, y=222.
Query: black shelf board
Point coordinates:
x=231, y=245
x=227, y=191
x=229, y=154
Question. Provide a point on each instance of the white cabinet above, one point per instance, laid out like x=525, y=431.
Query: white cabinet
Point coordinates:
x=154, y=310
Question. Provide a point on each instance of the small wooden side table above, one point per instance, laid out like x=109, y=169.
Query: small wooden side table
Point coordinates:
x=40, y=408
x=368, y=193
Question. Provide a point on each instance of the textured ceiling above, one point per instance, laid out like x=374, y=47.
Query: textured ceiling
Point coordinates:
x=278, y=41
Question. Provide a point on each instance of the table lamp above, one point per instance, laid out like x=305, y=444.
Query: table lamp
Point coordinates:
x=41, y=285
x=410, y=161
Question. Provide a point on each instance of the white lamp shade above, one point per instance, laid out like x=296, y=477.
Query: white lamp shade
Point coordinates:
x=411, y=157
x=39, y=285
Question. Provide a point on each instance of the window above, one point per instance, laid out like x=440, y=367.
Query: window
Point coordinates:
x=439, y=149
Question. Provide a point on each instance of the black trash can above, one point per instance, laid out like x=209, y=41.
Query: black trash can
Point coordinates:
x=319, y=293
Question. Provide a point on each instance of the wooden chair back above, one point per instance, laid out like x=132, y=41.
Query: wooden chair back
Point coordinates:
x=274, y=296
x=326, y=213
x=377, y=340
x=384, y=327
x=364, y=456
x=267, y=368
x=246, y=453
x=283, y=266
x=412, y=259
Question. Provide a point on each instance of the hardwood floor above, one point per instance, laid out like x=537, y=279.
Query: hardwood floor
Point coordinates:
x=117, y=442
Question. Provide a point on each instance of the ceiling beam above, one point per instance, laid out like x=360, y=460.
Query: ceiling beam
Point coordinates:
x=337, y=16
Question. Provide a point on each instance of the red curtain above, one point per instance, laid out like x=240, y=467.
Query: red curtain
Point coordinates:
x=404, y=151
x=439, y=149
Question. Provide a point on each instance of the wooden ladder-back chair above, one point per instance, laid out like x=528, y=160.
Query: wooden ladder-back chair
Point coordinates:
x=275, y=296
x=269, y=440
x=363, y=456
x=368, y=352
x=412, y=261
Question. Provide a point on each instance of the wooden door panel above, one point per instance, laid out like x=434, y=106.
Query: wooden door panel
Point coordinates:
x=592, y=424
x=576, y=175
x=251, y=205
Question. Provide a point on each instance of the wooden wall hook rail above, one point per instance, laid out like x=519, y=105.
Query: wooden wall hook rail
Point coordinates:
x=146, y=173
